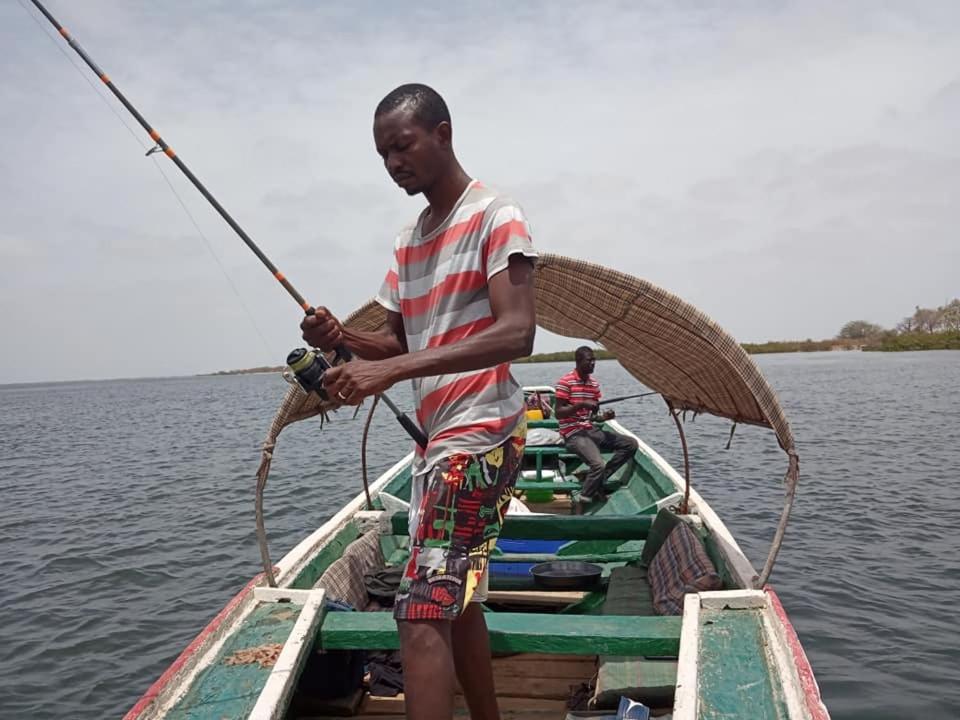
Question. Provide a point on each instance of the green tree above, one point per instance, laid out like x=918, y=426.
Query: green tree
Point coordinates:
x=950, y=315
x=859, y=330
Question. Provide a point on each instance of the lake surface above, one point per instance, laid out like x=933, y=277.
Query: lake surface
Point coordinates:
x=127, y=520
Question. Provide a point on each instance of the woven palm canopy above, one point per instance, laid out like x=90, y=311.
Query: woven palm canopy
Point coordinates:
x=664, y=342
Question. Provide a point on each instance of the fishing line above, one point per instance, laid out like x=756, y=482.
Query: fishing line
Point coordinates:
x=308, y=367
x=160, y=169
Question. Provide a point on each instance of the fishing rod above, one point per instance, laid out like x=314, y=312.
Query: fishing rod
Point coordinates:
x=627, y=397
x=308, y=366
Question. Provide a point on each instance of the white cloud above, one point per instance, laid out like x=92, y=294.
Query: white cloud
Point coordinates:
x=786, y=168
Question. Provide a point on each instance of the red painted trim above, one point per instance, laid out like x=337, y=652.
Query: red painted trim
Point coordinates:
x=150, y=695
x=811, y=691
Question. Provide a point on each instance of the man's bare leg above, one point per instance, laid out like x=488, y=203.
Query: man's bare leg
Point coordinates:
x=428, y=670
x=471, y=655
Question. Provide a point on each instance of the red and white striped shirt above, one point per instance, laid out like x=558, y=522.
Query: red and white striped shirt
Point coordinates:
x=438, y=283
x=574, y=389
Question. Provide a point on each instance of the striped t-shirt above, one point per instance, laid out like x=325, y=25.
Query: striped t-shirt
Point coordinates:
x=438, y=283
x=574, y=389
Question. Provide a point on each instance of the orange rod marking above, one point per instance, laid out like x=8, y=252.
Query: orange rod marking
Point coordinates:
x=305, y=305
x=169, y=152
x=279, y=276
x=154, y=135
x=106, y=80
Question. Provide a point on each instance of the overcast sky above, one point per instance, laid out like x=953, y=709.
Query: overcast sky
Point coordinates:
x=785, y=167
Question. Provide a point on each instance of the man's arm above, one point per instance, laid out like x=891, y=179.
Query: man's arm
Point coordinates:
x=324, y=331
x=565, y=408
x=509, y=337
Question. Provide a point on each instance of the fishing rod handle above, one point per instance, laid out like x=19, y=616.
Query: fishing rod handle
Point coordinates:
x=413, y=430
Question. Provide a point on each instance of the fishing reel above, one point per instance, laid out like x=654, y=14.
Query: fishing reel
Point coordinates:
x=308, y=368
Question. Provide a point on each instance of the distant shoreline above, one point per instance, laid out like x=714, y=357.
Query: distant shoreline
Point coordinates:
x=900, y=343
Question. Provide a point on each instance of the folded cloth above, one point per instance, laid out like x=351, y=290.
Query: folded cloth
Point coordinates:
x=543, y=436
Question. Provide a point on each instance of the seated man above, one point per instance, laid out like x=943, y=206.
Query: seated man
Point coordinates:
x=578, y=395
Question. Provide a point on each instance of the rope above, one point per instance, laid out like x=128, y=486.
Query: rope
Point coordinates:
x=790, y=480
x=363, y=451
x=675, y=414
x=730, y=439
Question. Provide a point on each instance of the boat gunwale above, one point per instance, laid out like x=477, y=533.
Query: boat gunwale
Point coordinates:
x=737, y=562
x=179, y=677
x=163, y=695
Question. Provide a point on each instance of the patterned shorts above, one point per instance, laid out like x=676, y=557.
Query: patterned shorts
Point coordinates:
x=460, y=514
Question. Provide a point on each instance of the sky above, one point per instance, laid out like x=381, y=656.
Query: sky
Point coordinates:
x=783, y=166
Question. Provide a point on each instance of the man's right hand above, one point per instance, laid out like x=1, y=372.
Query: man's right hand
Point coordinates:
x=322, y=330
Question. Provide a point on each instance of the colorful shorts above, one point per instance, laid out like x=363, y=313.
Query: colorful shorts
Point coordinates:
x=460, y=515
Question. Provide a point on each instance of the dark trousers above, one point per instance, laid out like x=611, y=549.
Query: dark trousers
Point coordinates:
x=588, y=444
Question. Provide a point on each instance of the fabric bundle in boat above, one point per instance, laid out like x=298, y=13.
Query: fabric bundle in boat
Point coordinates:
x=343, y=580
x=681, y=566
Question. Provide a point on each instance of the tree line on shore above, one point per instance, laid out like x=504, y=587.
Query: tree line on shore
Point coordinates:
x=925, y=329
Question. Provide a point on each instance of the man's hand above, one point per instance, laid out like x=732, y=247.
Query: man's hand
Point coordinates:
x=322, y=330
x=351, y=382
x=608, y=415
x=586, y=405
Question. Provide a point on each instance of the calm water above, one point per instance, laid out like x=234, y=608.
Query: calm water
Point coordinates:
x=127, y=520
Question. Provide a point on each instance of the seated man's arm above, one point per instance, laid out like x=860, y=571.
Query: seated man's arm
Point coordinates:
x=567, y=409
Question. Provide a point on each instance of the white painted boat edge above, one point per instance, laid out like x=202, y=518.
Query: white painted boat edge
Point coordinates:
x=167, y=690
x=278, y=690
x=686, y=695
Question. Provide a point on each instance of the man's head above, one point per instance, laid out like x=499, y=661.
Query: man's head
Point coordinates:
x=585, y=361
x=413, y=135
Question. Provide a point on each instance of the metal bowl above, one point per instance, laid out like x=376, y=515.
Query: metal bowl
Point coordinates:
x=566, y=575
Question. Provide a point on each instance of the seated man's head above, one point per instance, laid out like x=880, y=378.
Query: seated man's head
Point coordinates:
x=585, y=360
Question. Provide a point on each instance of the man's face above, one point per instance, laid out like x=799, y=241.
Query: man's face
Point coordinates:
x=413, y=155
x=586, y=364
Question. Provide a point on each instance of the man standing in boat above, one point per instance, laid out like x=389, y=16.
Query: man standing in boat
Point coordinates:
x=578, y=398
x=460, y=306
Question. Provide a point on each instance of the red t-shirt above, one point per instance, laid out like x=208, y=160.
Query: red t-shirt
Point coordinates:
x=574, y=389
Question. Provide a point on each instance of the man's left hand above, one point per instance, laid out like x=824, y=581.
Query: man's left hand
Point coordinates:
x=609, y=415
x=351, y=382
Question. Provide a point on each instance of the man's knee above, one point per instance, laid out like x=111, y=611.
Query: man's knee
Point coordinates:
x=418, y=636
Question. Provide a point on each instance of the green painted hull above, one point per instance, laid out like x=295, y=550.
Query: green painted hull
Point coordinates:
x=623, y=647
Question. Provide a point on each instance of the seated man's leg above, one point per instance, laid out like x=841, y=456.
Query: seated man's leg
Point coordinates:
x=624, y=447
x=584, y=444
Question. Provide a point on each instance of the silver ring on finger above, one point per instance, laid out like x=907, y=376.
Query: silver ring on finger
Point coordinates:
x=341, y=396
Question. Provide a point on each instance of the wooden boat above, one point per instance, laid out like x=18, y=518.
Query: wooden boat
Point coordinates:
x=290, y=646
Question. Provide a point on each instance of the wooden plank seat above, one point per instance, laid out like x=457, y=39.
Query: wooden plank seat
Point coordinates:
x=521, y=632
x=649, y=680
x=565, y=486
x=561, y=527
x=541, y=452
x=551, y=457
x=560, y=487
